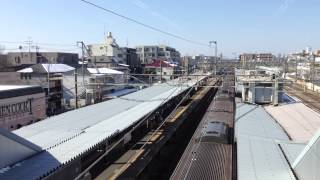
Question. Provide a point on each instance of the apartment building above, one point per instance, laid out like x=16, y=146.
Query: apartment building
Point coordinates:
x=146, y=54
x=109, y=54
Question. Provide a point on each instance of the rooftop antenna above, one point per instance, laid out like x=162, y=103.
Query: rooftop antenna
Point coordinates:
x=127, y=42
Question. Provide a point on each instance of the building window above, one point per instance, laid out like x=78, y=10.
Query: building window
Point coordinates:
x=21, y=75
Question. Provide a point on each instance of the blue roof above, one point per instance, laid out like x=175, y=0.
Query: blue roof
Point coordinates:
x=258, y=136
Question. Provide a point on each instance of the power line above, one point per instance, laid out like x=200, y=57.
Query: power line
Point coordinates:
x=144, y=25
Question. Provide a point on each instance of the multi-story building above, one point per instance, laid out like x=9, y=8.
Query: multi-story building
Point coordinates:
x=109, y=54
x=247, y=59
x=21, y=105
x=189, y=64
x=103, y=81
x=3, y=62
x=131, y=59
x=146, y=54
x=49, y=77
x=18, y=60
x=164, y=69
x=265, y=57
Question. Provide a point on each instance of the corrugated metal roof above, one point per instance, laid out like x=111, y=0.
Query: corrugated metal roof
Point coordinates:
x=299, y=121
x=44, y=68
x=103, y=71
x=57, y=128
x=292, y=150
x=307, y=163
x=57, y=68
x=258, y=153
x=15, y=91
x=211, y=162
x=261, y=159
x=69, y=135
x=253, y=120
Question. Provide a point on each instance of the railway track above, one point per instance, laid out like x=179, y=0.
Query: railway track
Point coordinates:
x=135, y=160
x=308, y=97
x=209, y=156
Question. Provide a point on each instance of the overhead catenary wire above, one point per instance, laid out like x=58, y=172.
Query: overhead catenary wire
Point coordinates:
x=130, y=161
x=144, y=24
x=130, y=131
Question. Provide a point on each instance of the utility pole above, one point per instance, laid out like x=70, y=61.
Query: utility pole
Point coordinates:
x=76, y=86
x=48, y=76
x=82, y=58
x=312, y=71
x=29, y=42
x=276, y=93
x=215, y=54
x=296, y=78
x=160, y=71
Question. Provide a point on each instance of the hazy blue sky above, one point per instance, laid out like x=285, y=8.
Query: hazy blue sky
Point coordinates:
x=278, y=26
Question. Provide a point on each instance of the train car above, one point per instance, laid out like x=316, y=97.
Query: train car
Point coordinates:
x=209, y=154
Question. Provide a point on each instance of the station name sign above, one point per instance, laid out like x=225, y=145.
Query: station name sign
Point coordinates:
x=17, y=108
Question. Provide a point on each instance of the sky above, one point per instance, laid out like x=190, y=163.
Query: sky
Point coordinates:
x=276, y=26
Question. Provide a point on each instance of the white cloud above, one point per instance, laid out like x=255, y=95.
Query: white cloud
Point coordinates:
x=283, y=8
x=148, y=9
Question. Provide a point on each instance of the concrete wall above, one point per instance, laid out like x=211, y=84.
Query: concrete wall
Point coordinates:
x=10, y=78
x=16, y=59
x=307, y=85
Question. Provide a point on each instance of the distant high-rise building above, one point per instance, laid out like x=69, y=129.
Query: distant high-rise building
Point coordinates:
x=308, y=50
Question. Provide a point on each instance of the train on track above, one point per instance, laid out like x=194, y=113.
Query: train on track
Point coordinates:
x=210, y=152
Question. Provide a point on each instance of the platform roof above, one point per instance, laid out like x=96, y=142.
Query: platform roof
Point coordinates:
x=69, y=135
x=299, y=121
x=258, y=136
x=45, y=68
x=104, y=71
